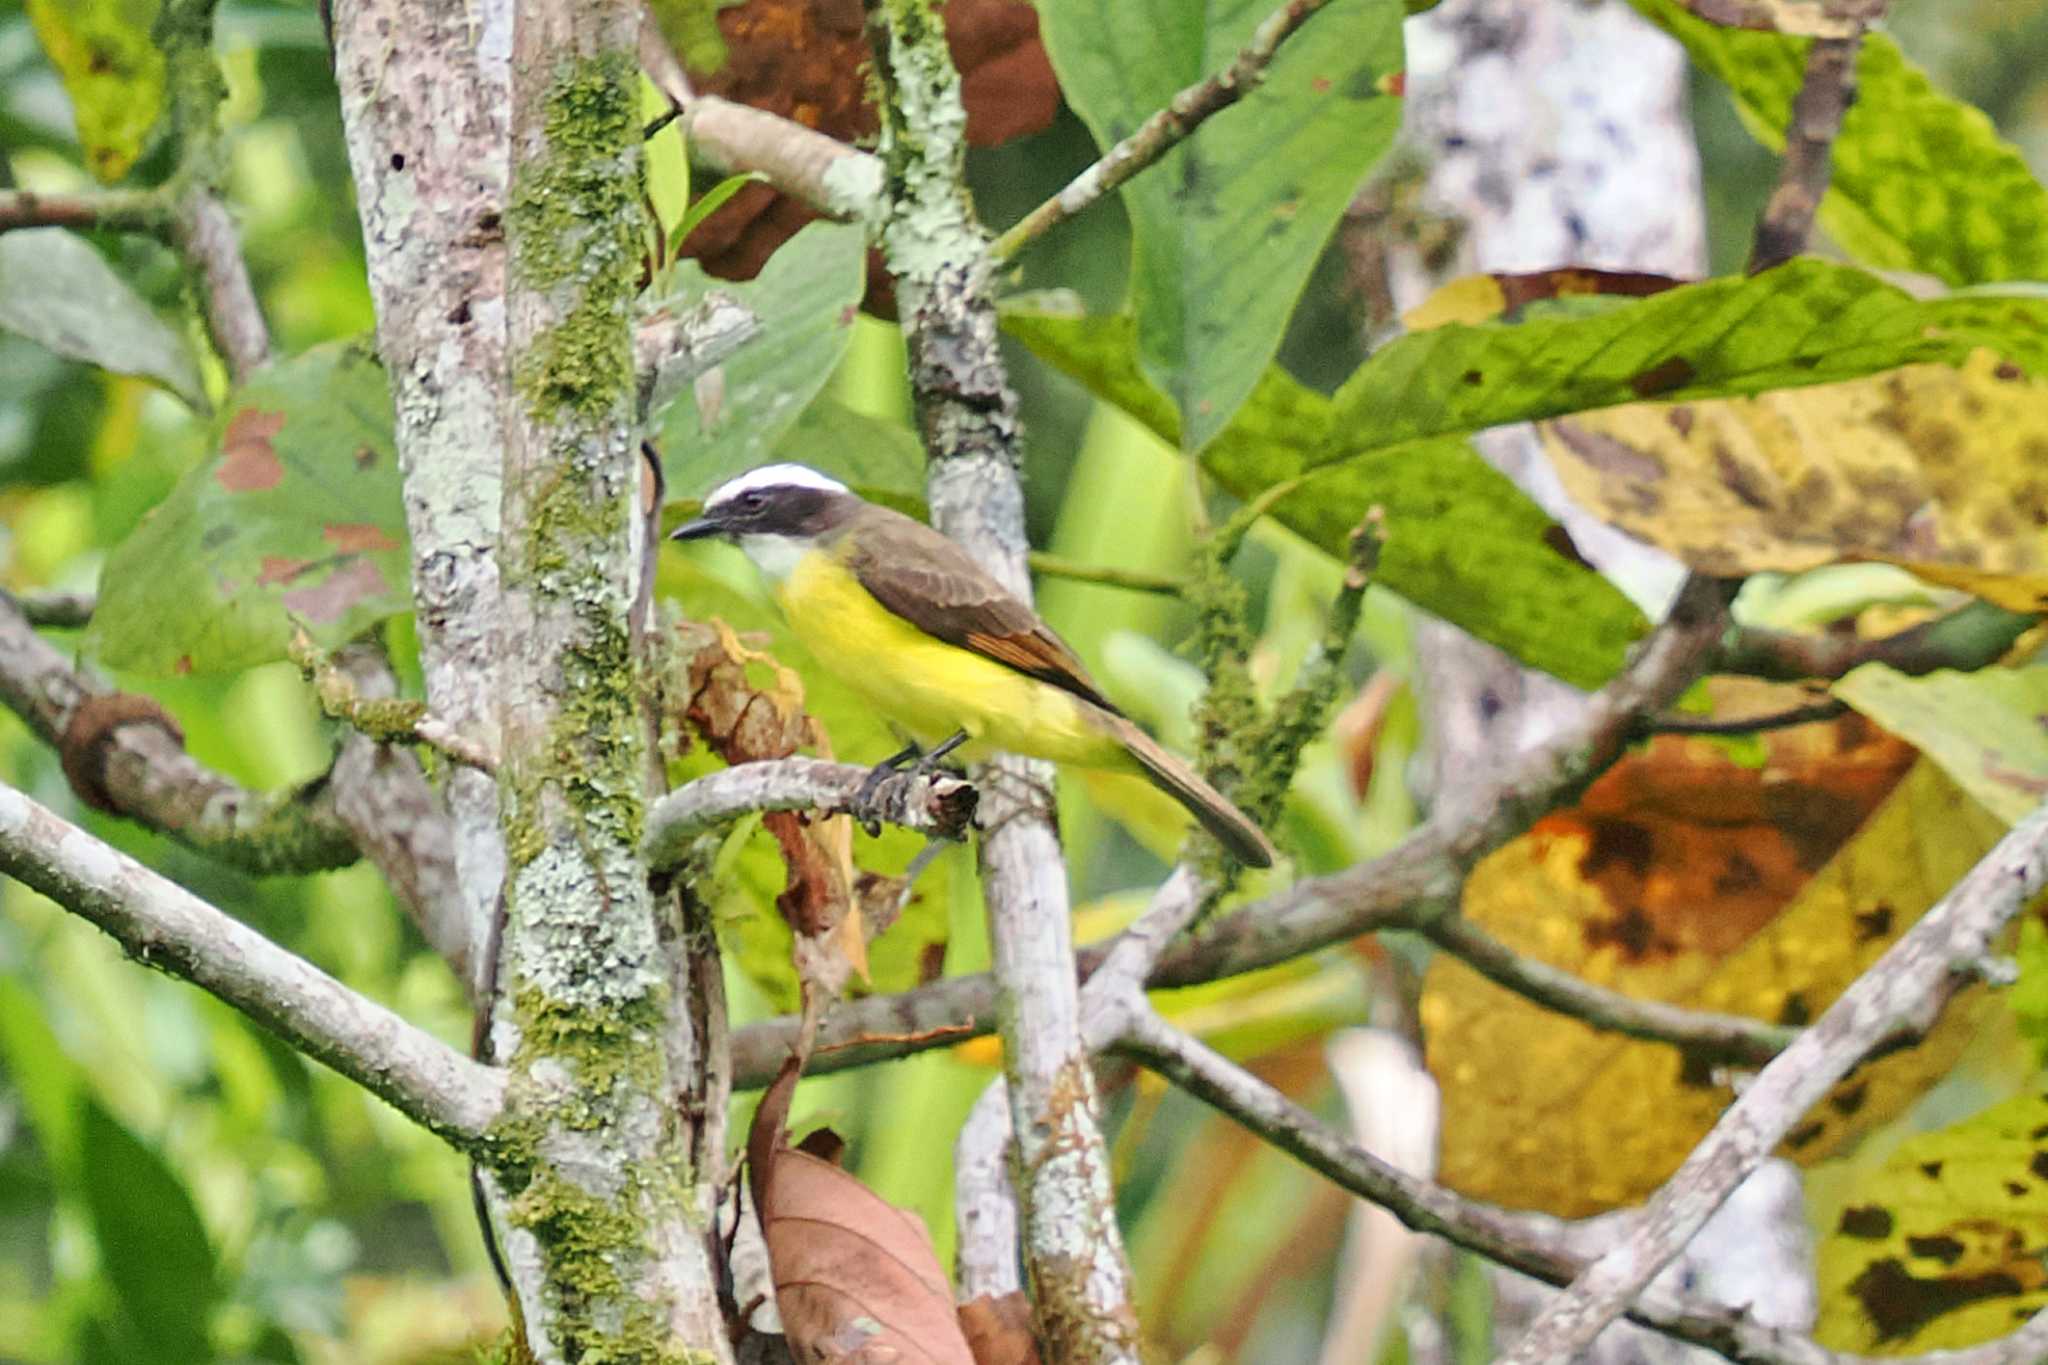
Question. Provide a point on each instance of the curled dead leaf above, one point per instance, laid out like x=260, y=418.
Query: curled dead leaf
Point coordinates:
x=856, y=1279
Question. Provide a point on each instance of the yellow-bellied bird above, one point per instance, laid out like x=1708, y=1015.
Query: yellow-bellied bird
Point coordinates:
x=904, y=617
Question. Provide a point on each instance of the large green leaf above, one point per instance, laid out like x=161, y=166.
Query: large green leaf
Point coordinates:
x=1921, y=181
x=1462, y=541
x=1227, y=226
x=56, y=290
x=153, y=1248
x=1988, y=730
x=112, y=71
x=1806, y=322
x=294, y=517
x=734, y=415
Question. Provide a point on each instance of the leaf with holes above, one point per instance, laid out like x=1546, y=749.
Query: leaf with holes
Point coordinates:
x=1920, y=180
x=56, y=290
x=294, y=518
x=1228, y=225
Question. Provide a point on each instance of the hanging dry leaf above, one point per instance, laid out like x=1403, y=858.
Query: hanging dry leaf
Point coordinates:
x=1684, y=876
x=856, y=1279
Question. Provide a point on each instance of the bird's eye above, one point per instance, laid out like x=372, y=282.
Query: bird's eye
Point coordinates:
x=752, y=502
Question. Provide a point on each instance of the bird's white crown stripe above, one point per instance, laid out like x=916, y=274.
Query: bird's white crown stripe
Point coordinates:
x=773, y=476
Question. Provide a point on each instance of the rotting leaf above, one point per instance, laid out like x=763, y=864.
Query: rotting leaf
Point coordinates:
x=1687, y=877
x=998, y=1329
x=113, y=71
x=1943, y=1245
x=856, y=1279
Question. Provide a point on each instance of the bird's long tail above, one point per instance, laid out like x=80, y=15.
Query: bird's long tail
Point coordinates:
x=1244, y=840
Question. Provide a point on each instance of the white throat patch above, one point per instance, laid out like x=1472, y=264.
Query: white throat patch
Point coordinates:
x=774, y=556
x=772, y=476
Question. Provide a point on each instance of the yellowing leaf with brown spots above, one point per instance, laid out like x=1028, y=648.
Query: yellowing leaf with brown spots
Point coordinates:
x=1684, y=876
x=1943, y=1245
x=1942, y=470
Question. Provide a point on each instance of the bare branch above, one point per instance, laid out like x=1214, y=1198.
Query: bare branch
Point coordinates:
x=141, y=211
x=204, y=233
x=1824, y=97
x=164, y=926
x=1700, y=1033
x=125, y=755
x=56, y=610
x=1534, y=1244
x=1166, y=129
x=1901, y=994
x=1972, y=636
x=837, y=180
x=1671, y=724
x=1812, y=18
x=935, y=804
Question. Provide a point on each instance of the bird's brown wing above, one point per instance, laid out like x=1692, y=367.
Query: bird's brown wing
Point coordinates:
x=929, y=581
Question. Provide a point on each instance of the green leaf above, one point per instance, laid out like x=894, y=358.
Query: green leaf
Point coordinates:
x=1940, y=1246
x=153, y=1248
x=294, y=517
x=41, y=1075
x=1228, y=225
x=691, y=28
x=1988, y=730
x=57, y=291
x=883, y=461
x=1806, y=322
x=1921, y=181
x=1462, y=540
x=735, y=414
x=712, y=201
x=112, y=71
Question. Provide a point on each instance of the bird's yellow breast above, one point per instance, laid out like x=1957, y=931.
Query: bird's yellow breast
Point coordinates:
x=929, y=687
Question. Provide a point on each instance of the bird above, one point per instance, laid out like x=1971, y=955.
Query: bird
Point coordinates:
x=907, y=619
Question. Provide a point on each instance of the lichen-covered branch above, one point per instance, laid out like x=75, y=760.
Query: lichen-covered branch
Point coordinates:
x=1159, y=134
x=606, y=1213
x=162, y=925
x=1899, y=996
x=424, y=97
x=1073, y=1251
x=124, y=754
x=388, y=719
x=935, y=804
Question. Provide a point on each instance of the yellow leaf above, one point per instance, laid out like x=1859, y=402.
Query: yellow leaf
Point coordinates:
x=1541, y=1111
x=1942, y=1246
x=1941, y=470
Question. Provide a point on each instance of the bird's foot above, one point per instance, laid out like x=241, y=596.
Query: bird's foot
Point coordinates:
x=864, y=806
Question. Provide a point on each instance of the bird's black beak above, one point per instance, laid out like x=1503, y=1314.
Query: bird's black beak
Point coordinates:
x=697, y=529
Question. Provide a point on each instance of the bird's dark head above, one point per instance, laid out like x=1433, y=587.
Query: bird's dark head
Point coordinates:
x=789, y=500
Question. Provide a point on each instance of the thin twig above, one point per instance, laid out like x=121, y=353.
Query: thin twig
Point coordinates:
x=1901, y=995
x=205, y=234
x=1811, y=714
x=1970, y=637
x=388, y=720
x=1159, y=134
x=142, y=211
x=1824, y=97
x=165, y=926
x=1137, y=580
